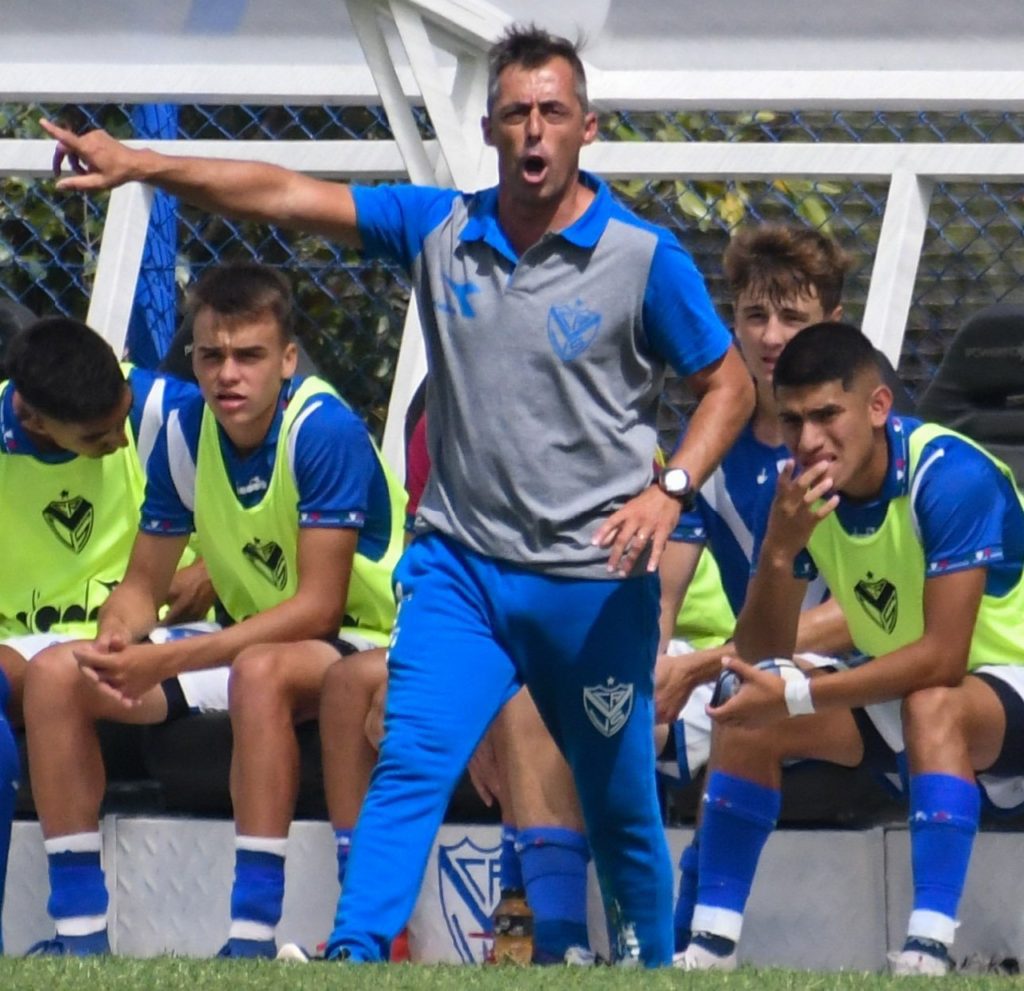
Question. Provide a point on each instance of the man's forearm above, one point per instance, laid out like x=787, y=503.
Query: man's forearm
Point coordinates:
x=129, y=612
x=724, y=407
x=767, y=624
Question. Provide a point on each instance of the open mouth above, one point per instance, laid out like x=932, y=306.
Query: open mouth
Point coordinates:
x=534, y=167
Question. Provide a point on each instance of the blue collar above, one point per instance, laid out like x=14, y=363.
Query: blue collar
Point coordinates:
x=897, y=474
x=585, y=232
x=14, y=439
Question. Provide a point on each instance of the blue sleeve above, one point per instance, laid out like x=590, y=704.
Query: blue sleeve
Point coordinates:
x=690, y=529
x=334, y=465
x=679, y=317
x=162, y=509
x=960, y=504
x=394, y=221
x=176, y=393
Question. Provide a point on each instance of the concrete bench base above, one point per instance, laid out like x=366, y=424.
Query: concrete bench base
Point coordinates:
x=824, y=899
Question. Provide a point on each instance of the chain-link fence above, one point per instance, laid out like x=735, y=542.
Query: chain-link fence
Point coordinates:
x=351, y=312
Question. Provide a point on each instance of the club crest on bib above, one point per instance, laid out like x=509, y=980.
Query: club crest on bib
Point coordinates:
x=572, y=329
x=608, y=706
x=71, y=519
x=469, y=885
x=269, y=560
x=879, y=599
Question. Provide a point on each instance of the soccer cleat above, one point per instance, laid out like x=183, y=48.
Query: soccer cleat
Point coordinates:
x=93, y=945
x=580, y=956
x=696, y=957
x=247, y=949
x=914, y=963
x=293, y=953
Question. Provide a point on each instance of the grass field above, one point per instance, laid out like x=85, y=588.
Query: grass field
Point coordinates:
x=169, y=974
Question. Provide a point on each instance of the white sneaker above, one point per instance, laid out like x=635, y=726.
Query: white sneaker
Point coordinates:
x=580, y=956
x=695, y=957
x=292, y=953
x=914, y=963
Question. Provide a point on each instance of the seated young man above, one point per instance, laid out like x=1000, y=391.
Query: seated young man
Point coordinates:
x=75, y=432
x=300, y=526
x=919, y=534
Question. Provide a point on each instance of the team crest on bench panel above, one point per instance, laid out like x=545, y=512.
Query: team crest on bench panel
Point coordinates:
x=469, y=885
x=572, y=329
x=70, y=518
x=269, y=560
x=608, y=706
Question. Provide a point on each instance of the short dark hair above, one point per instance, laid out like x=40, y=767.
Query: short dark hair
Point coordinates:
x=65, y=370
x=784, y=260
x=824, y=352
x=531, y=47
x=244, y=289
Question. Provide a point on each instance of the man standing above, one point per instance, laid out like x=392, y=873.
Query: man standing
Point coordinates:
x=540, y=529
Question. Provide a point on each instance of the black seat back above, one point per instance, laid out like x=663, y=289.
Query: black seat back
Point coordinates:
x=979, y=386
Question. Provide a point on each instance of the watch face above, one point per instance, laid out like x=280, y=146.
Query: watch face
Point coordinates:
x=675, y=481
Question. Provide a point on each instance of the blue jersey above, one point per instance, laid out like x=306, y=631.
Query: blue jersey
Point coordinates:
x=546, y=369
x=965, y=510
x=153, y=397
x=336, y=471
x=731, y=510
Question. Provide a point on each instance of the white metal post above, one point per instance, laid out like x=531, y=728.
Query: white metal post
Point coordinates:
x=117, y=269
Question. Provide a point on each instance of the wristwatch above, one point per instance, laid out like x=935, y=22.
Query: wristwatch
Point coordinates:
x=676, y=483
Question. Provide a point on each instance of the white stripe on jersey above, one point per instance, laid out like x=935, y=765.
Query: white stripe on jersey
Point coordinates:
x=293, y=434
x=918, y=478
x=152, y=421
x=717, y=495
x=179, y=460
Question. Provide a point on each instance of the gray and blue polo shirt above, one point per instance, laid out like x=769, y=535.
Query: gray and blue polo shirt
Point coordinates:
x=545, y=368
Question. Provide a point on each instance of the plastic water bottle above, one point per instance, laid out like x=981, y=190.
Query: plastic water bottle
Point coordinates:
x=513, y=929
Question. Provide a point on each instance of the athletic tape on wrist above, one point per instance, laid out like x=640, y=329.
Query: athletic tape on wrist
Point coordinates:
x=798, y=697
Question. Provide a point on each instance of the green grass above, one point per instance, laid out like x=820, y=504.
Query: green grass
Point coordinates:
x=170, y=974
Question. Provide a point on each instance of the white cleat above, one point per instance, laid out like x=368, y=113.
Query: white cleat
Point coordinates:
x=292, y=953
x=580, y=956
x=914, y=963
x=695, y=957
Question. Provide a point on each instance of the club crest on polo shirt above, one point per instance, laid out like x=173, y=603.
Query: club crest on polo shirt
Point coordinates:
x=469, y=888
x=269, y=560
x=608, y=706
x=879, y=599
x=70, y=519
x=572, y=329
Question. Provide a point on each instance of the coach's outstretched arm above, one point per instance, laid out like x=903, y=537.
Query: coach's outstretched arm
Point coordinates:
x=244, y=190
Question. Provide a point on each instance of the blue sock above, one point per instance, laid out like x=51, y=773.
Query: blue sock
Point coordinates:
x=739, y=816
x=511, y=877
x=343, y=847
x=554, y=863
x=257, y=897
x=688, y=866
x=9, y=770
x=77, y=888
x=944, y=814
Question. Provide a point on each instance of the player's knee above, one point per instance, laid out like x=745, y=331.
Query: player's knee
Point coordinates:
x=52, y=679
x=256, y=676
x=356, y=676
x=932, y=717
